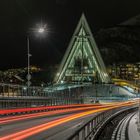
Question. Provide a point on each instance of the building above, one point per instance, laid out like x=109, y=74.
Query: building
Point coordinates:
x=127, y=71
x=82, y=61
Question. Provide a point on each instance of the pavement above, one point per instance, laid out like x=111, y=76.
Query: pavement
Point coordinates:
x=133, y=133
x=59, y=126
x=62, y=131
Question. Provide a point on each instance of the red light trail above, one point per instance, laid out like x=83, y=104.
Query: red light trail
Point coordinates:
x=39, y=128
x=36, y=115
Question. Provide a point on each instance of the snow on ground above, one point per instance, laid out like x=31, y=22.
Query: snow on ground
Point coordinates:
x=133, y=133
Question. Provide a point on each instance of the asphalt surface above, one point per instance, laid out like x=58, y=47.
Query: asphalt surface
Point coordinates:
x=57, y=126
x=62, y=131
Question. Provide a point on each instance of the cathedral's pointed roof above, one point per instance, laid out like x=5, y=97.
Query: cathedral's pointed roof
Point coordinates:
x=82, y=60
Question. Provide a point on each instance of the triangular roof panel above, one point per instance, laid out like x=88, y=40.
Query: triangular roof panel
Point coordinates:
x=82, y=61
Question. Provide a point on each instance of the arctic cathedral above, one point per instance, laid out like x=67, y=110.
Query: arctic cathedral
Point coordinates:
x=82, y=61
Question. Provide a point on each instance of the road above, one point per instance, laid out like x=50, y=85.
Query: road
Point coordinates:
x=52, y=125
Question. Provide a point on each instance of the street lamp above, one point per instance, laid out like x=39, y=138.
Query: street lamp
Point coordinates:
x=40, y=31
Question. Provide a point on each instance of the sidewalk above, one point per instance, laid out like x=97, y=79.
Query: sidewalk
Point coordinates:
x=133, y=133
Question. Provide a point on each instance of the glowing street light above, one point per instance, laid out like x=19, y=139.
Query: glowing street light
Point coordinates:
x=40, y=30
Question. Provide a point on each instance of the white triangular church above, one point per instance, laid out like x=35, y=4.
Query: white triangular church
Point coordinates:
x=82, y=61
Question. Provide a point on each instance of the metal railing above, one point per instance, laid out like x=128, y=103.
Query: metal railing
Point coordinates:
x=17, y=96
x=89, y=130
x=11, y=90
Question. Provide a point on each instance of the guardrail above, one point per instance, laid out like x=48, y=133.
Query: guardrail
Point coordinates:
x=38, y=109
x=19, y=96
x=90, y=129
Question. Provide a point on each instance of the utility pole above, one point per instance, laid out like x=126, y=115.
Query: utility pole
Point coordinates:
x=28, y=66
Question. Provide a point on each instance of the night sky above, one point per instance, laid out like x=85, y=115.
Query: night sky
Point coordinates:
x=17, y=17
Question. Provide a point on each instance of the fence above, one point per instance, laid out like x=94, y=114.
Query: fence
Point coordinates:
x=20, y=96
x=88, y=131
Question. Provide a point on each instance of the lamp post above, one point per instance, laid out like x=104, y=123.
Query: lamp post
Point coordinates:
x=28, y=67
x=40, y=30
